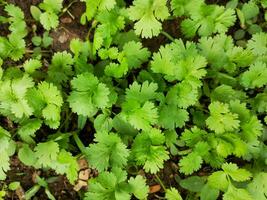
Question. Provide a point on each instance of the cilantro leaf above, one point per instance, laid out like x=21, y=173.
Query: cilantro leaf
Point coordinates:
x=182, y=95
x=67, y=164
x=88, y=95
x=49, y=20
x=148, y=15
x=109, y=185
x=51, y=5
x=108, y=152
x=207, y=20
x=256, y=76
x=172, y=194
x=46, y=100
x=60, y=69
x=138, y=187
x=28, y=129
x=171, y=117
x=13, y=100
x=257, y=188
x=148, y=149
x=184, y=7
x=135, y=54
x=220, y=179
x=234, y=193
x=236, y=173
x=94, y=7
x=179, y=61
x=30, y=66
x=190, y=163
x=221, y=119
x=258, y=44
x=7, y=149
x=222, y=54
x=16, y=20
x=110, y=22
x=138, y=108
x=140, y=116
x=46, y=153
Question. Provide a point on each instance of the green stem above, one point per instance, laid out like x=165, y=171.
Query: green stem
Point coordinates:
x=79, y=142
x=184, y=152
x=160, y=182
x=67, y=8
x=65, y=124
x=167, y=35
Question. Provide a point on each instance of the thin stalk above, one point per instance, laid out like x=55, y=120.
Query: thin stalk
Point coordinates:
x=167, y=35
x=160, y=182
x=66, y=9
x=159, y=197
x=184, y=152
x=79, y=142
x=42, y=51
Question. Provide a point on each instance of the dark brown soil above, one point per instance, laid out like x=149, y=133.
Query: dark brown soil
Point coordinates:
x=60, y=188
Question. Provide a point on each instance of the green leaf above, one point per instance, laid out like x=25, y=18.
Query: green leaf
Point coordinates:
x=28, y=129
x=209, y=193
x=35, y=12
x=173, y=194
x=190, y=163
x=221, y=119
x=235, y=173
x=93, y=7
x=51, y=5
x=255, y=76
x=208, y=19
x=13, y=99
x=218, y=180
x=258, y=188
x=250, y=10
x=148, y=150
x=27, y=156
x=148, y=15
x=103, y=123
x=258, y=43
x=46, y=100
x=135, y=54
x=60, y=70
x=109, y=185
x=66, y=164
x=108, y=152
x=31, y=65
x=7, y=149
x=179, y=61
x=14, y=185
x=234, y=193
x=49, y=20
x=88, y=95
x=193, y=183
x=184, y=7
x=138, y=187
x=46, y=153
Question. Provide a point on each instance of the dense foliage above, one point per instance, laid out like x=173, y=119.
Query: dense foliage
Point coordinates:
x=198, y=101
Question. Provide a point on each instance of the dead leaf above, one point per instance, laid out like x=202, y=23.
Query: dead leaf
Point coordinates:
x=154, y=188
x=82, y=164
x=84, y=174
x=80, y=185
x=20, y=193
x=66, y=20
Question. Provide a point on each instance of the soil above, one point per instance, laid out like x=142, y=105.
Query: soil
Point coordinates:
x=60, y=188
